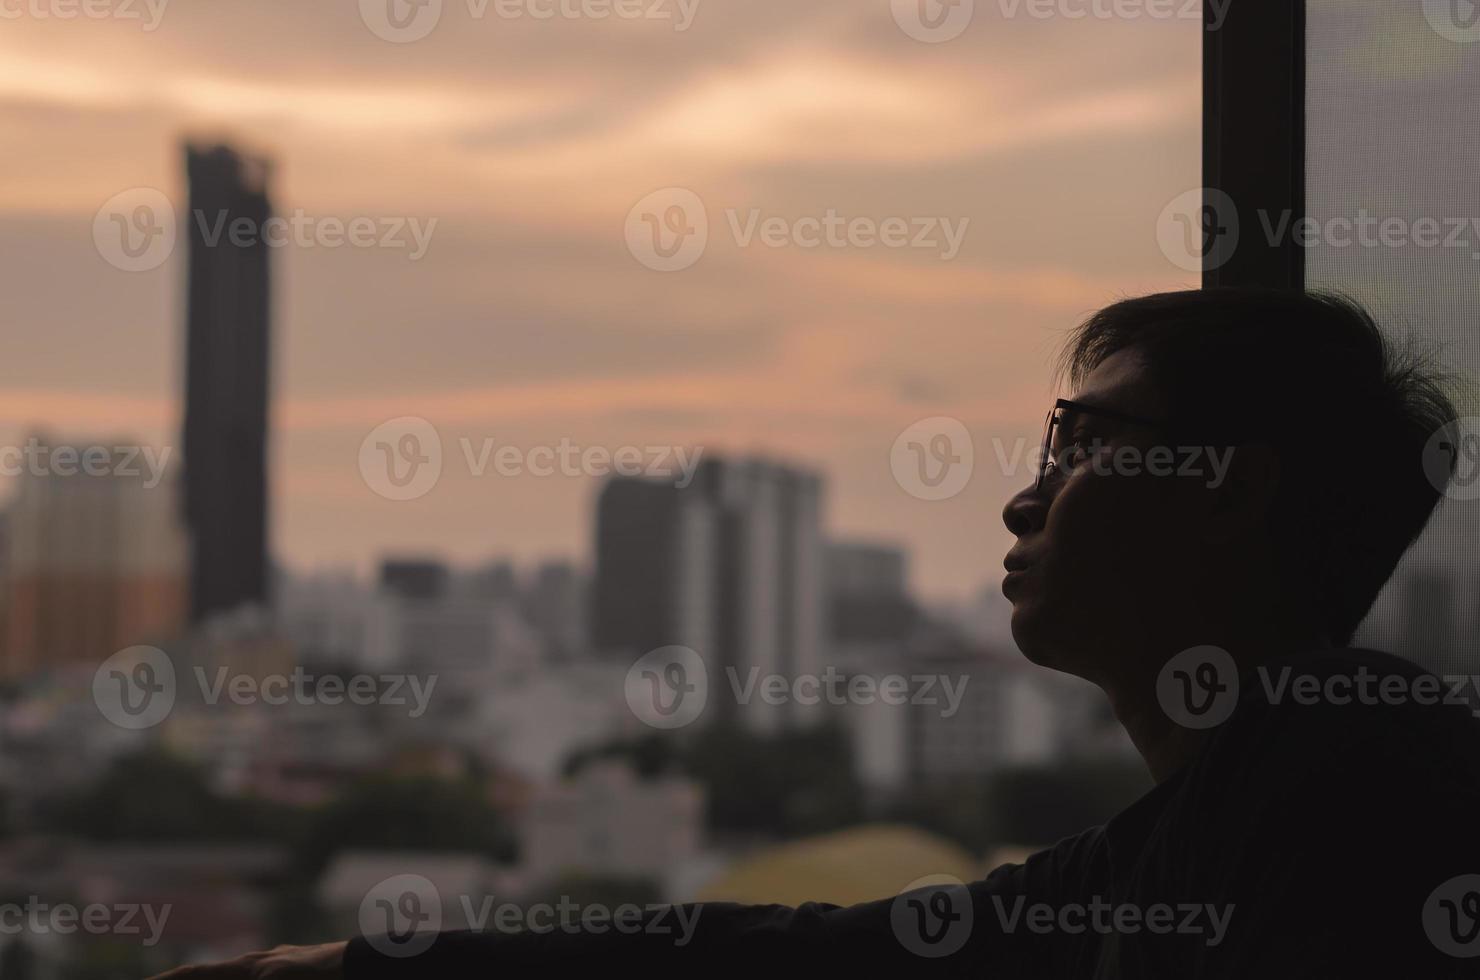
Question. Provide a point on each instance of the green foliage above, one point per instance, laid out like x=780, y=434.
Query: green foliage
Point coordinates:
x=791, y=784
x=156, y=796
x=294, y=917
x=1036, y=805
x=649, y=755
x=104, y=959
x=418, y=813
x=18, y=960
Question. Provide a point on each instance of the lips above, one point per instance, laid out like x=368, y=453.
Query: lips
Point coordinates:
x=1017, y=567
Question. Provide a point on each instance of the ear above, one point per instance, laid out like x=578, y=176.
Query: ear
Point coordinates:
x=1243, y=481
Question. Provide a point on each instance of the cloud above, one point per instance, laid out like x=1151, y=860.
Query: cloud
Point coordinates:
x=529, y=142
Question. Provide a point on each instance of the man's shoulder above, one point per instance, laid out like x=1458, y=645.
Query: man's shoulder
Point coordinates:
x=1365, y=688
x=1350, y=720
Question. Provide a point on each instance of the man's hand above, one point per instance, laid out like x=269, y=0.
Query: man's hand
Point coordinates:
x=324, y=962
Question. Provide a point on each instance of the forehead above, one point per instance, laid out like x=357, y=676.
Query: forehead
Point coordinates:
x=1122, y=383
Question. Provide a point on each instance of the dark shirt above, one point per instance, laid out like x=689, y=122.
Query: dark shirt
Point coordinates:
x=1308, y=838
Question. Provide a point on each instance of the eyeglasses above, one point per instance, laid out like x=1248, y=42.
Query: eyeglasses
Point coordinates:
x=1048, y=457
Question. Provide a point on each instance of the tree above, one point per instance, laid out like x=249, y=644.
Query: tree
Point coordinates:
x=791, y=784
x=156, y=796
x=422, y=813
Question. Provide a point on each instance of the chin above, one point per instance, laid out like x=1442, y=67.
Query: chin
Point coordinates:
x=1034, y=632
x=1027, y=633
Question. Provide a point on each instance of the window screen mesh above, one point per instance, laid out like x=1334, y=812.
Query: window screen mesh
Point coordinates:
x=1393, y=140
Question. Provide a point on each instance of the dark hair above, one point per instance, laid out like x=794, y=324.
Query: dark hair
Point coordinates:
x=1348, y=414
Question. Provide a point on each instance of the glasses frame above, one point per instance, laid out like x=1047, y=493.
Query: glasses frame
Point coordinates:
x=1046, y=461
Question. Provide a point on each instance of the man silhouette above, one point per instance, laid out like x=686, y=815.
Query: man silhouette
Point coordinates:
x=1236, y=475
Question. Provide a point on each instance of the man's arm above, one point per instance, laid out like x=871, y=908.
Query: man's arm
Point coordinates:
x=942, y=930
x=939, y=930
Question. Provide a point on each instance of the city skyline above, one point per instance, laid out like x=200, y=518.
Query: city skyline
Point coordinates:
x=527, y=320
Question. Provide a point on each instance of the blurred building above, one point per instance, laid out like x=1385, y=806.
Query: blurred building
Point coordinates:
x=965, y=711
x=425, y=622
x=208, y=902
x=94, y=560
x=869, y=609
x=656, y=551
x=420, y=622
x=863, y=569
x=534, y=722
x=1005, y=718
x=56, y=741
x=556, y=606
x=608, y=822
x=730, y=565
x=415, y=578
x=496, y=581
x=227, y=381
x=325, y=617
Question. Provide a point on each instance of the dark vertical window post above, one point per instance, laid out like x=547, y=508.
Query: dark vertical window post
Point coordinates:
x=1253, y=142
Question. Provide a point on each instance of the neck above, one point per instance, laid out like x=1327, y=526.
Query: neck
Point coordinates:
x=1162, y=744
x=1165, y=745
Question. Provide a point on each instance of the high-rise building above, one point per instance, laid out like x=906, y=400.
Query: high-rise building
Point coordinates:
x=606, y=821
x=411, y=578
x=556, y=607
x=227, y=375
x=729, y=566
x=656, y=568
x=425, y=621
x=863, y=570
x=94, y=561
x=496, y=581
x=868, y=604
x=324, y=616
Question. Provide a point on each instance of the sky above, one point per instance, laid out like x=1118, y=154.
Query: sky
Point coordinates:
x=1050, y=145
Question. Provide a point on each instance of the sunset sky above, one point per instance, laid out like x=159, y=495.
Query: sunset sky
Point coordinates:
x=528, y=320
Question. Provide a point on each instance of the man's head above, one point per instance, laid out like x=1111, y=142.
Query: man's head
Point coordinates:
x=1259, y=460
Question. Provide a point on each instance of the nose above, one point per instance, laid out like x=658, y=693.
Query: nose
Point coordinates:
x=1025, y=512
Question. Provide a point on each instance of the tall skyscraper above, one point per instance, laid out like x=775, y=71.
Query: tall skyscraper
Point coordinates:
x=729, y=566
x=227, y=380
x=656, y=568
